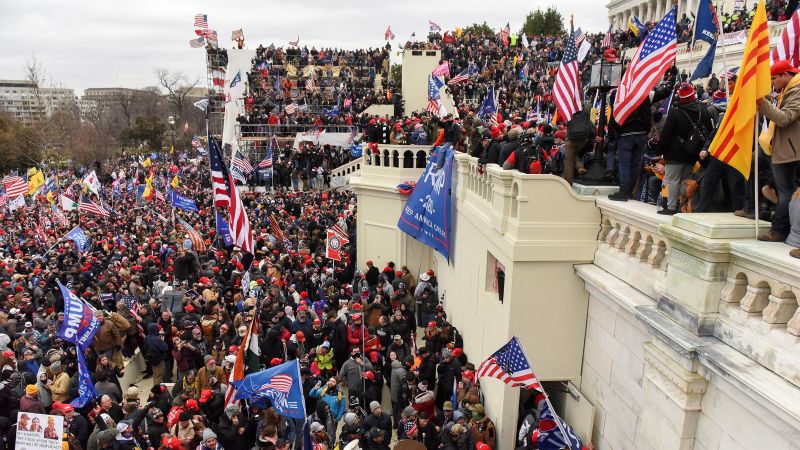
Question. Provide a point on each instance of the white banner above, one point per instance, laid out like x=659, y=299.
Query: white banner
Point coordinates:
x=736, y=37
x=39, y=431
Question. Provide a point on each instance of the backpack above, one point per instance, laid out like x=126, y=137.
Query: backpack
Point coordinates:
x=697, y=136
x=529, y=160
x=580, y=126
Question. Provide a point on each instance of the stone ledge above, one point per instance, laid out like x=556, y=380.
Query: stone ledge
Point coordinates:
x=621, y=293
x=717, y=225
x=638, y=214
x=773, y=256
x=763, y=386
x=698, y=323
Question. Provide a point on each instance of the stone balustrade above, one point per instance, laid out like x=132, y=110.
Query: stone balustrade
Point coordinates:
x=398, y=156
x=341, y=175
x=630, y=245
x=709, y=275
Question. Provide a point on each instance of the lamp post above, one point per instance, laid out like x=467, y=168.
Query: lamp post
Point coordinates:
x=171, y=121
x=606, y=75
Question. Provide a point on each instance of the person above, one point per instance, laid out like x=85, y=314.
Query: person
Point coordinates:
x=580, y=134
x=480, y=427
x=50, y=431
x=631, y=141
x=785, y=131
x=375, y=439
x=682, y=138
x=156, y=352
x=30, y=402
x=377, y=419
x=716, y=170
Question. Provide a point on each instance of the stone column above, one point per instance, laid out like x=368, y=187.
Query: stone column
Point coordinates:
x=672, y=394
x=645, y=11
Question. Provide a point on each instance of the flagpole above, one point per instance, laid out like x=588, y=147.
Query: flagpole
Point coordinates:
x=547, y=399
x=755, y=171
x=724, y=59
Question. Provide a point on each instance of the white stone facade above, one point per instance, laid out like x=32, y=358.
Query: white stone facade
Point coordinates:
x=619, y=11
x=678, y=332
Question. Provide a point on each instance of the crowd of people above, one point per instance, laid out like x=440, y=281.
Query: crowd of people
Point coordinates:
x=379, y=360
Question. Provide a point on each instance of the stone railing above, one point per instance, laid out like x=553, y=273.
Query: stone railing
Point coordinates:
x=630, y=245
x=341, y=175
x=758, y=312
x=398, y=156
x=520, y=207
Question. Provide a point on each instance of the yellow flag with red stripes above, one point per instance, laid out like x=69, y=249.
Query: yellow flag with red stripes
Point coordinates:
x=733, y=143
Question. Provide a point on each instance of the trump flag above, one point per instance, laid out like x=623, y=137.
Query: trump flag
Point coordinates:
x=427, y=216
x=280, y=384
x=80, y=324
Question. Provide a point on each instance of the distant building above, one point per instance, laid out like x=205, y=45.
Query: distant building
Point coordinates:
x=26, y=102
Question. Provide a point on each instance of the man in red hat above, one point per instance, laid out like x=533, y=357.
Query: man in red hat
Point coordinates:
x=784, y=135
x=682, y=139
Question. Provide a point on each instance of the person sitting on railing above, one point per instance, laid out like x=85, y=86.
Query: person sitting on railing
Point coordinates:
x=398, y=136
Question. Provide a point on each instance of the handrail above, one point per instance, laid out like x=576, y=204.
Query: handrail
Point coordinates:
x=265, y=130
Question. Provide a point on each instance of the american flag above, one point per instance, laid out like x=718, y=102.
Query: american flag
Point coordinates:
x=196, y=142
x=464, y=75
x=201, y=21
x=310, y=84
x=789, y=44
x=275, y=228
x=159, y=196
x=218, y=76
x=3, y=200
x=266, y=163
x=14, y=186
x=282, y=383
x=133, y=306
x=352, y=137
x=242, y=163
x=505, y=33
x=607, y=39
x=86, y=205
x=552, y=431
x=294, y=43
x=567, y=87
x=510, y=366
x=219, y=176
x=197, y=43
x=225, y=187
x=433, y=96
x=653, y=57
x=434, y=26
x=211, y=35
x=59, y=215
x=291, y=108
x=197, y=241
x=388, y=35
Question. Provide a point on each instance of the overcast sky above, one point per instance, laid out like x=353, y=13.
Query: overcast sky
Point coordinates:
x=107, y=43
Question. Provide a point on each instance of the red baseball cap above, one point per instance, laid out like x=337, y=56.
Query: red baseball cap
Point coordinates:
x=191, y=404
x=781, y=67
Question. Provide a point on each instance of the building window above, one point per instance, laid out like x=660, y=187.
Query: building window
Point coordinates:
x=495, y=276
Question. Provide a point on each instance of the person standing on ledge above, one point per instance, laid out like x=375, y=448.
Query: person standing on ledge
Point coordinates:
x=785, y=137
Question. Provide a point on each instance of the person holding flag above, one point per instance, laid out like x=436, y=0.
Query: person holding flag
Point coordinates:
x=780, y=140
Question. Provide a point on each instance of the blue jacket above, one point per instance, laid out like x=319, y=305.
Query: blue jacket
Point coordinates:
x=334, y=399
x=156, y=348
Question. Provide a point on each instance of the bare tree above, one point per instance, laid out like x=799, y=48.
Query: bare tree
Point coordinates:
x=177, y=86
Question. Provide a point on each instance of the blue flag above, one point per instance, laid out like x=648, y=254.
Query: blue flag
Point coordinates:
x=80, y=324
x=550, y=436
x=706, y=25
x=355, y=150
x=236, y=79
x=224, y=231
x=488, y=109
x=703, y=68
x=280, y=384
x=86, y=390
x=635, y=26
x=427, y=216
x=181, y=202
x=80, y=239
x=437, y=82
